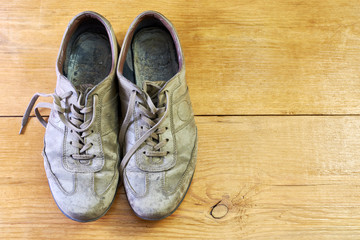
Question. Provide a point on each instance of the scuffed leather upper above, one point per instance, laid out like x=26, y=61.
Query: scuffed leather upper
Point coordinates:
x=155, y=186
x=84, y=190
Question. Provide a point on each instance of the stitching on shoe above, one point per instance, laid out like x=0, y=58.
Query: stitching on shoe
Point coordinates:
x=108, y=187
x=116, y=173
x=53, y=124
x=99, y=136
x=182, y=95
x=190, y=166
x=132, y=190
x=173, y=133
x=65, y=150
x=116, y=125
x=185, y=124
x=92, y=184
x=56, y=180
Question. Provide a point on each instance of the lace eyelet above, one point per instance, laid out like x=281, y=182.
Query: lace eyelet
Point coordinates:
x=142, y=127
x=92, y=131
x=71, y=130
x=166, y=128
x=167, y=152
x=144, y=152
x=70, y=142
x=91, y=144
x=167, y=139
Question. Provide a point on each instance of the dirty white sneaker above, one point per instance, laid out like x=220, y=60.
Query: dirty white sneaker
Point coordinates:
x=81, y=152
x=158, y=134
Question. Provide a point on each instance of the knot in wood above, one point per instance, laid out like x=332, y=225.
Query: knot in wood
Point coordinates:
x=219, y=210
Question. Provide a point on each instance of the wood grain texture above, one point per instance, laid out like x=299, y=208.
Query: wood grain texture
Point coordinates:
x=242, y=57
x=258, y=176
x=278, y=177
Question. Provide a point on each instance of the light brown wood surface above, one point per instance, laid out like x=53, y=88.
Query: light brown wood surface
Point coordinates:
x=242, y=57
x=275, y=87
x=274, y=178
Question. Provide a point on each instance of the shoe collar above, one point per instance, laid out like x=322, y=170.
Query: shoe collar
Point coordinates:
x=63, y=84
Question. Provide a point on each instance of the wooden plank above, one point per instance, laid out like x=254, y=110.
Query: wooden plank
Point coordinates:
x=274, y=177
x=243, y=57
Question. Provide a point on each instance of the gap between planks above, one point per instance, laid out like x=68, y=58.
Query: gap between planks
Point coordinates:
x=242, y=115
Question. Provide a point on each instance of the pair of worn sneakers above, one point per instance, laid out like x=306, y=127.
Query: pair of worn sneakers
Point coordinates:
x=138, y=126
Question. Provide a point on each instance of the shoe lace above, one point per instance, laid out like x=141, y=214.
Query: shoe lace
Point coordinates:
x=152, y=116
x=79, y=128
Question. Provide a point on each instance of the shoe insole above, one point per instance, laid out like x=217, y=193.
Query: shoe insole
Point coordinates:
x=89, y=60
x=154, y=56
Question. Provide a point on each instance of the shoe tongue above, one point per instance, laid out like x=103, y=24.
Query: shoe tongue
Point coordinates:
x=153, y=87
x=64, y=85
x=84, y=88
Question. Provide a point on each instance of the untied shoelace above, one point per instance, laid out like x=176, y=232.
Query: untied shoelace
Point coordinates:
x=78, y=127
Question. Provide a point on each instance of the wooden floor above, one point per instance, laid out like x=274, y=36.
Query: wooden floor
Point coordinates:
x=275, y=87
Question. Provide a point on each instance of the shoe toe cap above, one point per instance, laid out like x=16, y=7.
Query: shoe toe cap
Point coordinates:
x=149, y=209
x=155, y=204
x=83, y=212
x=83, y=205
